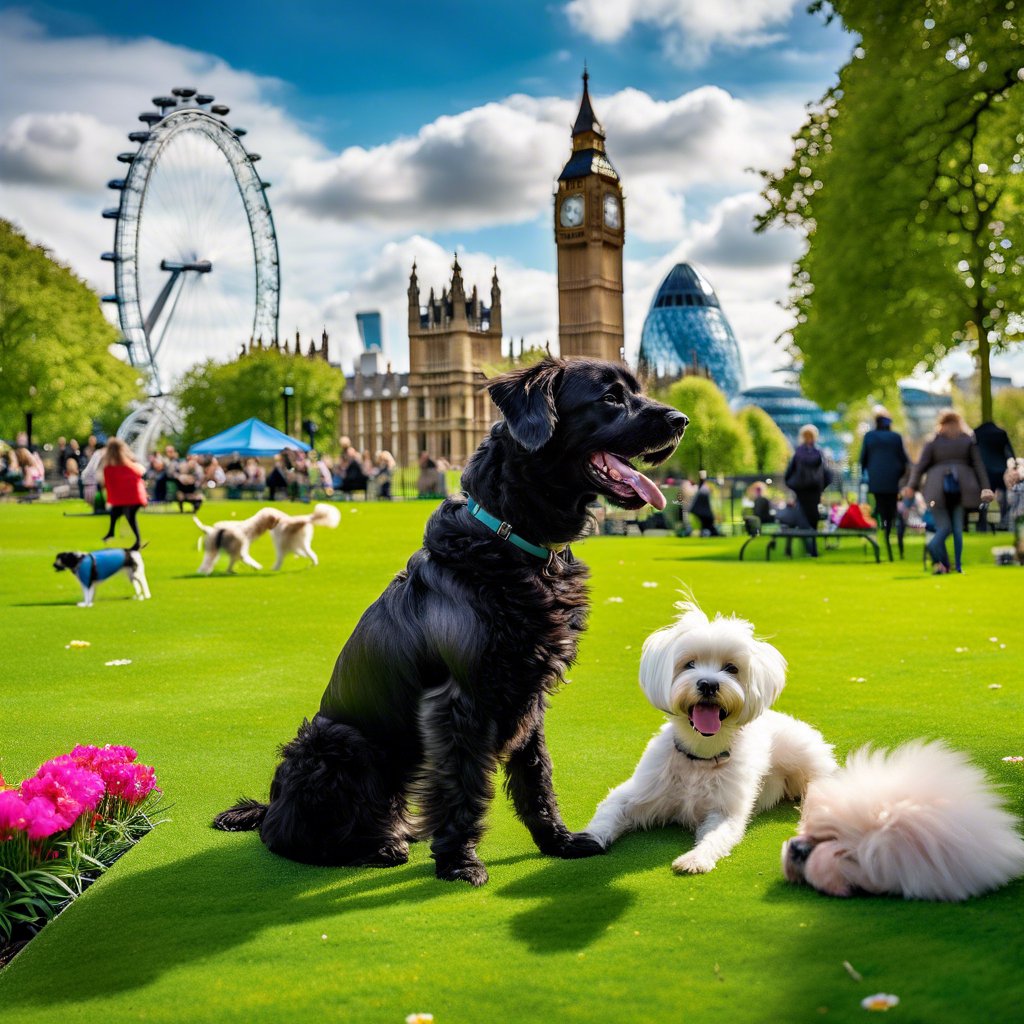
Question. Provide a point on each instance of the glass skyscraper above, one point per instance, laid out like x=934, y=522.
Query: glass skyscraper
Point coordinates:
x=687, y=332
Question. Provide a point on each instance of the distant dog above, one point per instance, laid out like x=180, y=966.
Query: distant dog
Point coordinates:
x=447, y=674
x=92, y=567
x=723, y=756
x=290, y=534
x=920, y=822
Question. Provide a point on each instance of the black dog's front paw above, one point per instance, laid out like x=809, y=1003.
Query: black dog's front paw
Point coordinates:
x=390, y=855
x=465, y=869
x=572, y=846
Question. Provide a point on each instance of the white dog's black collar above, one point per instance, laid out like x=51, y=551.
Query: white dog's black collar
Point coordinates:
x=693, y=757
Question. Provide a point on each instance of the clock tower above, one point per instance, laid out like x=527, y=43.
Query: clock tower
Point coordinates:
x=589, y=235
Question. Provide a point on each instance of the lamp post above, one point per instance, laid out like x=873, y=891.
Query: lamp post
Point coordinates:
x=286, y=393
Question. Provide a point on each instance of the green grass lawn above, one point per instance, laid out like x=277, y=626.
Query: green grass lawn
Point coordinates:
x=197, y=925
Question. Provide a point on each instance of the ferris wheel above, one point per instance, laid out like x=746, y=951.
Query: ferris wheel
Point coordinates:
x=195, y=257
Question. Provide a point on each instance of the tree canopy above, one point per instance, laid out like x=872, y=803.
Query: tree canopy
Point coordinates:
x=769, y=449
x=907, y=180
x=714, y=440
x=214, y=396
x=55, y=358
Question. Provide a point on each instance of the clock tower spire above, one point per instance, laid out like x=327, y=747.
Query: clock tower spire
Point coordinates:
x=589, y=236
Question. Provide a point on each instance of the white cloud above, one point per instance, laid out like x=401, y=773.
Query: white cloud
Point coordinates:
x=690, y=28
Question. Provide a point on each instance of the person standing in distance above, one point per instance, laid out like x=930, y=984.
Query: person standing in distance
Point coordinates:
x=883, y=464
x=955, y=483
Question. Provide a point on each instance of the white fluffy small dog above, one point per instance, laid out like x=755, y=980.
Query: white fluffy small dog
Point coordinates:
x=723, y=756
x=290, y=534
x=920, y=822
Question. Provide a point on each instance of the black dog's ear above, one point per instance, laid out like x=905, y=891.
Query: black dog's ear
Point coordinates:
x=526, y=399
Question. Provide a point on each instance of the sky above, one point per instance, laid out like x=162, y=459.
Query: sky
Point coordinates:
x=404, y=131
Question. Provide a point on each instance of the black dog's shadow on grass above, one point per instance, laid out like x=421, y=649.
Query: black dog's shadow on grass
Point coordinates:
x=191, y=909
x=579, y=899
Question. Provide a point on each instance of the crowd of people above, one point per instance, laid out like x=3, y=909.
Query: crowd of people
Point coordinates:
x=77, y=471
x=959, y=472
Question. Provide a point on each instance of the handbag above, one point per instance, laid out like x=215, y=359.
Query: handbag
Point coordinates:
x=951, y=484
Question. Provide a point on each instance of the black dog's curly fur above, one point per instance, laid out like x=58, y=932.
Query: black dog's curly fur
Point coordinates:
x=446, y=675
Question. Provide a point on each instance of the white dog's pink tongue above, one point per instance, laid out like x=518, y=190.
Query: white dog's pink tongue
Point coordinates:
x=644, y=486
x=706, y=719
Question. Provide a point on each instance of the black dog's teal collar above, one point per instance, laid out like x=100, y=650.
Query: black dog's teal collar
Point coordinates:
x=723, y=756
x=504, y=530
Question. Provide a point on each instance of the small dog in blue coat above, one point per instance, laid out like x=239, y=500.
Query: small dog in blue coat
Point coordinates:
x=92, y=567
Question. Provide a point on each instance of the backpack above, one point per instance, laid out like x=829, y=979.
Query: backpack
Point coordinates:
x=807, y=472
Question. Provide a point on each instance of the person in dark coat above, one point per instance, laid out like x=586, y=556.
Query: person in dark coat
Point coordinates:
x=996, y=451
x=701, y=509
x=807, y=476
x=955, y=482
x=883, y=464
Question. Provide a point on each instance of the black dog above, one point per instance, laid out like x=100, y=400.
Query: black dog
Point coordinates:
x=446, y=675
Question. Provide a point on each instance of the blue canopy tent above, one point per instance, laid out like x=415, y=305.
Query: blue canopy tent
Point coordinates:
x=251, y=437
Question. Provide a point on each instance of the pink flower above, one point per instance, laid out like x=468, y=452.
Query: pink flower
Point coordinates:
x=96, y=757
x=69, y=788
x=13, y=814
x=131, y=782
x=42, y=818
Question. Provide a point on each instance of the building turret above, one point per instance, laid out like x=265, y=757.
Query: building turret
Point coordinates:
x=495, y=304
x=414, y=299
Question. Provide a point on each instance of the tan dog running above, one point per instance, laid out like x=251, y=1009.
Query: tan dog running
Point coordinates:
x=290, y=534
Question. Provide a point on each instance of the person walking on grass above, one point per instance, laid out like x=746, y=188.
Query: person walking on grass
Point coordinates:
x=126, y=493
x=955, y=483
x=807, y=476
x=883, y=464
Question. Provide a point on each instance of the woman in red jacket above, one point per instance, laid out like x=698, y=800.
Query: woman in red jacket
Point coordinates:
x=126, y=493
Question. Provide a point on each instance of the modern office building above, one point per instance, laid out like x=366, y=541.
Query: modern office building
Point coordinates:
x=686, y=332
x=791, y=410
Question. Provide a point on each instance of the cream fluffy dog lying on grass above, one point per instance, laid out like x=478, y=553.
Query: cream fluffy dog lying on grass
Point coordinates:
x=920, y=821
x=723, y=756
x=290, y=534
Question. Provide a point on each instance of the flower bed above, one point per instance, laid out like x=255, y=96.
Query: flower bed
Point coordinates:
x=60, y=829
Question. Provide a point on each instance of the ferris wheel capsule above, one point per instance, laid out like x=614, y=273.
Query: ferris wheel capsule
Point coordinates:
x=219, y=108
x=150, y=116
x=139, y=136
x=164, y=101
x=202, y=98
x=126, y=158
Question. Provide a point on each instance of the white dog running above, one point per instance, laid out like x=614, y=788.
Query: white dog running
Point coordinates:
x=290, y=534
x=920, y=821
x=723, y=756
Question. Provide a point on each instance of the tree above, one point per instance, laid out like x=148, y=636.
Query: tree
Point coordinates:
x=714, y=440
x=214, y=396
x=907, y=180
x=55, y=358
x=768, y=445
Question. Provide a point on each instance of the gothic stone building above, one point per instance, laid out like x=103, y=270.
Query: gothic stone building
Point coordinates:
x=439, y=406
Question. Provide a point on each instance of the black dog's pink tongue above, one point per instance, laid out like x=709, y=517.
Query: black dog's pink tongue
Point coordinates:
x=706, y=719
x=645, y=487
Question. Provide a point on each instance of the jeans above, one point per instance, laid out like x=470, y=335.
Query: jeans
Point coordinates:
x=947, y=521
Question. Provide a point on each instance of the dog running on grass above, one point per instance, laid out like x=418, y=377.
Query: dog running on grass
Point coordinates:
x=93, y=567
x=290, y=534
x=446, y=676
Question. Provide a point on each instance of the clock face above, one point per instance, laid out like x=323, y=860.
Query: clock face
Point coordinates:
x=571, y=213
x=612, y=211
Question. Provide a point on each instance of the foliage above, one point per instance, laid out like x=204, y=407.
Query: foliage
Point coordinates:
x=1007, y=412
x=714, y=441
x=54, y=339
x=214, y=396
x=907, y=181
x=769, y=447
